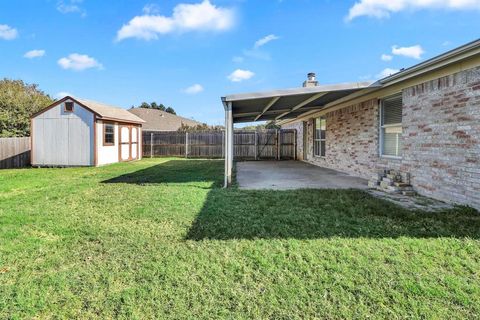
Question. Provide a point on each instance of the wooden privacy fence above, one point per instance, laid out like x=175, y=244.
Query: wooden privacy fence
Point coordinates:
x=14, y=152
x=248, y=145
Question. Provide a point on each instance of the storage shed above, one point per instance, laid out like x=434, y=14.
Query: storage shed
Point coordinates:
x=78, y=132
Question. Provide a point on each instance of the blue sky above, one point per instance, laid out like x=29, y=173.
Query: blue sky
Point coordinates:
x=188, y=53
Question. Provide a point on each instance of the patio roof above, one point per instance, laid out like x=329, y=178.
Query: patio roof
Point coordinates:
x=287, y=103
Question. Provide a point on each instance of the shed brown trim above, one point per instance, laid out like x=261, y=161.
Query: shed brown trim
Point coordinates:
x=56, y=103
x=121, y=121
x=119, y=143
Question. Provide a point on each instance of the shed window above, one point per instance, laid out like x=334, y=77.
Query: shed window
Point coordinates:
x=68, y=106
x=320, y=137
x=108, y=134
x=391, y=126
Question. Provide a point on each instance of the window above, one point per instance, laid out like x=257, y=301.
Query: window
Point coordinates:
x=391, y=126
x=68, y=106
x=108, y=134
x=319, y=138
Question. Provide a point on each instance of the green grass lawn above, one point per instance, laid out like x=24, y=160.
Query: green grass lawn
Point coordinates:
x=161, y=239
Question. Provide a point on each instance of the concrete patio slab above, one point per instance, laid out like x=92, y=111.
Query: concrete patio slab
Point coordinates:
x=289, y=175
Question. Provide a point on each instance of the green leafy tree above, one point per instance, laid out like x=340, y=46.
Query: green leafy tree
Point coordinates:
x=18, y=102
x=268, y=125
x=272, y=125
x=170, y=110
x=157, y=106
x=199, y=127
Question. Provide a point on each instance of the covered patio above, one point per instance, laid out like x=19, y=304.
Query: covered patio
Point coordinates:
x=288, y=175
x=279, y=105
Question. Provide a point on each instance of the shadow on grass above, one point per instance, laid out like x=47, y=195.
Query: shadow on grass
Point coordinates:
x=300, y=214
x=311, y=214
x=175, y=171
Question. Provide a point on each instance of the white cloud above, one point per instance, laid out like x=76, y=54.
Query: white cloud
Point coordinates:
x=7, y=32
x=62, y=94
x=79, y=62
x=387, y=72
x=202, y=16
x=263, y=41
x=34, y=54
x=71, y=6
x=383, y=8
x=414, y=52
x=240, y=75
x=194, y=89
x=386, y=57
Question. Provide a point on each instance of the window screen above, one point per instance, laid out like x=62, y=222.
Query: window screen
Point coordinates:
x=320, y=134
x=391, y=126
x=109, y=134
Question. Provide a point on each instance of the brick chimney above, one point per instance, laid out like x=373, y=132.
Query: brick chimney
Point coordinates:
x=311, y=80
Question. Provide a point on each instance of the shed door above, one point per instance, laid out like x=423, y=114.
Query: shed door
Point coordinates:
x=128, y=143
x=125, y=143
x=134, y=145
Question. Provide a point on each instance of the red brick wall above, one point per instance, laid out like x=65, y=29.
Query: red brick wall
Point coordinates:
x=441, y=138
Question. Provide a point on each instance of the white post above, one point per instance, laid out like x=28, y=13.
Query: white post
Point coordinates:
x=186, y=144
x=228, y=143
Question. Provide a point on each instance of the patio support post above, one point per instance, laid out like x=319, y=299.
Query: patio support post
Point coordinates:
x=228, y=143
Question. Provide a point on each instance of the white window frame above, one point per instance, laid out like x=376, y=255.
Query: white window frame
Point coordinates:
x=315, y=140
x=382, y=127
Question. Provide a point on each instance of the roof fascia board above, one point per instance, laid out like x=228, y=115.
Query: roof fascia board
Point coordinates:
x=296, y=91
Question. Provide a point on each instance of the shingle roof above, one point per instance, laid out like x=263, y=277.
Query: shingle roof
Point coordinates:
x=109, y=112
x=157, y=120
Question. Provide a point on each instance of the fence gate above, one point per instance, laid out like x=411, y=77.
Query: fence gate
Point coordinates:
x=248, y=145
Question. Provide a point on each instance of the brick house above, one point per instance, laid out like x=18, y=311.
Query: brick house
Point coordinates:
x=423, y=121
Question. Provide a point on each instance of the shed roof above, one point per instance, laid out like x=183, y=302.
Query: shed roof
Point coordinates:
x=158, y=120
x=106, y=111
x=103, y=111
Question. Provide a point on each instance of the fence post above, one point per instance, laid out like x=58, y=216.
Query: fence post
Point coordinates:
x=256, y=144
x=186, y=145
x=278, y=144
x=151, y=145
x=223, y=144
x=295, y=144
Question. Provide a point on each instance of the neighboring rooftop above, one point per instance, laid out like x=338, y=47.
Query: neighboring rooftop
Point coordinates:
x=158, y=120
